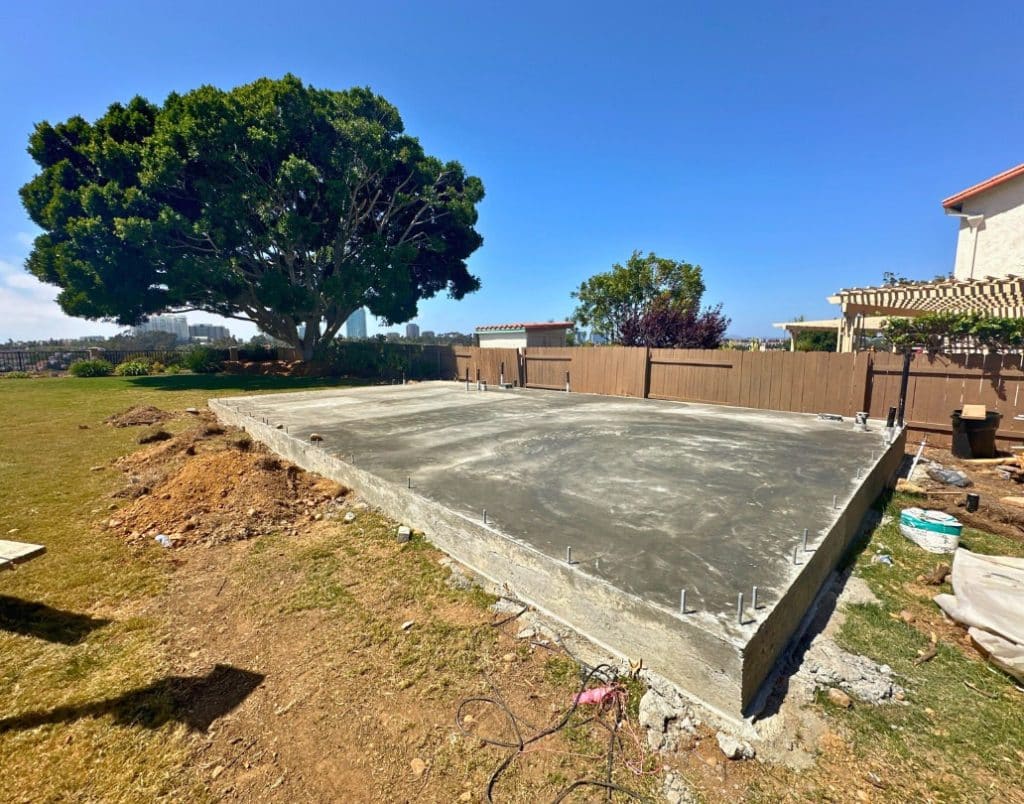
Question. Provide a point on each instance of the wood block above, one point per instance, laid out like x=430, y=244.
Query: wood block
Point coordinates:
x=973, y=412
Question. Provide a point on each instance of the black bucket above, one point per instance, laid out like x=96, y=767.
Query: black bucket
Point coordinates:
x=974, y=438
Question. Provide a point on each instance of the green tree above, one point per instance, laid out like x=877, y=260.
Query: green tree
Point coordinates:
x=608, y=300
x=273, y=202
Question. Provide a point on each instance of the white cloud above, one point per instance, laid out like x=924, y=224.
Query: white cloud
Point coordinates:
x=28, y=309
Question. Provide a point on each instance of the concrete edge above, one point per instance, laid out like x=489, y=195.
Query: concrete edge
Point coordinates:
x=787, y=622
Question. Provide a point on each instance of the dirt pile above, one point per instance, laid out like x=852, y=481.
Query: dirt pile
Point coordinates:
x=138, y=416
x=200, y=487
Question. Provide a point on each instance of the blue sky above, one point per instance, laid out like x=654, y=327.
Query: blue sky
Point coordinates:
x=789, y=149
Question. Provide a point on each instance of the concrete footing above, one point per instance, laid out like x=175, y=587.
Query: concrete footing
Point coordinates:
x=652, y=497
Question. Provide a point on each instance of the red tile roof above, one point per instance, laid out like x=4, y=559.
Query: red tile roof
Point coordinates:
x=981, y=187
x=517, y=326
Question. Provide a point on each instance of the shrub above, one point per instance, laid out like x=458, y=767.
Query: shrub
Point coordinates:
x=91, y=368
x=174, y=368
x=132, y=368
x=15, y=375
x=203, y=360
x=157, y=367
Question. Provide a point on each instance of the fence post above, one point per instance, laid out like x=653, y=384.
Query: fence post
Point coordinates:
x=869, y=380
x=647, y=372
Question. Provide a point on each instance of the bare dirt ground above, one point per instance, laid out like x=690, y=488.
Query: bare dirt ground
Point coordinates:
x=313, y=657
x=992, y=515
x=339, y=654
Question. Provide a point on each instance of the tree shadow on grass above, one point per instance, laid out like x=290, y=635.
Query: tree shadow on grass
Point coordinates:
x=235, y=382
x=196, y=701
x=39, y=620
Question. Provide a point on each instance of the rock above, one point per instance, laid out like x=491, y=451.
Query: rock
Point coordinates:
x=350, y=517
x=408, y=624
x=315, y=437
x=526, y=633
x=217, y=771
x=404, y=534
x=418, y=767
x=676, y=790
x=467, y=796
x=96, y=468
x=508, y=657
x=839, y=698
x=655, y=714
x=734, y=748
x=193, y=411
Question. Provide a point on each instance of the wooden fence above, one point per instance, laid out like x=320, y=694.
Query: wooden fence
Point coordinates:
x=804, y=382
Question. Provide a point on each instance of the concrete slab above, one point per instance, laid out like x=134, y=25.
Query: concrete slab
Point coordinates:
x=652, y=498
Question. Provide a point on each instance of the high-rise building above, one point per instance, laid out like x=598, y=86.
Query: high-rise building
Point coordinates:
x=208, y=332
x=175, y=324
x=355, y=325
x=412, y=330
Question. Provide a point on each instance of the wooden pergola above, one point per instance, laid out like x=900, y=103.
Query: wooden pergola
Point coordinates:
x=997, y=296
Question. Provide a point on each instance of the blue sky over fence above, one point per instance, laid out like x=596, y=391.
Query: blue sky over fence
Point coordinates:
x=790, y=149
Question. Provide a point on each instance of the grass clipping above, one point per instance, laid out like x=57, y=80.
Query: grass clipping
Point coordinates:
x=212, y=485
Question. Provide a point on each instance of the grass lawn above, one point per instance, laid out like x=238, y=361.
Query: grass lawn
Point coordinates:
x=953, y=742
x=84, y=649
x=87, y=643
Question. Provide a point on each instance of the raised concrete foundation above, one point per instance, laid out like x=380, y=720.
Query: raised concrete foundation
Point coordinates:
x=652, y=497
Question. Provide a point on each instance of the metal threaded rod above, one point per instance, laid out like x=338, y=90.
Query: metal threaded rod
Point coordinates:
x=805, y=540
x=568, y=555
x=682, y=601
x=753, y=598
x=739, y=608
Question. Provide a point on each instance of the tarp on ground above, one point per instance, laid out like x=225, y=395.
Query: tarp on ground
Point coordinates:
x=988, y=597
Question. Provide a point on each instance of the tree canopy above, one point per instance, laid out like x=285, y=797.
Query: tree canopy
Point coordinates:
x=273, y=202
x=662, y=325
x=650, y=301
x=607, y=300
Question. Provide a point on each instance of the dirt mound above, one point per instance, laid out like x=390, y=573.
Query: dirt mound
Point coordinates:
x=138, y=416
x=217, y=493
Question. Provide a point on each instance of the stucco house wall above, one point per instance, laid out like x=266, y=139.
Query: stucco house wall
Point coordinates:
x=996, y=246
x=502, y=340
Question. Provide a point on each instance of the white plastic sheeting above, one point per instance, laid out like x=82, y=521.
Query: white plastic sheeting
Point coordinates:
x=988, y=597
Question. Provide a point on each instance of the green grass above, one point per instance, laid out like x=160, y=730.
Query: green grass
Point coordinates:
x=949, y=739
x=72, y=627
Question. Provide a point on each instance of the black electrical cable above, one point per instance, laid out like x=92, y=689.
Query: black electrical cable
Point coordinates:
x=520, y=744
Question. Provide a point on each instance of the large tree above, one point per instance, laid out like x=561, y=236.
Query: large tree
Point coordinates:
x=607, y=301
x=273, y=202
